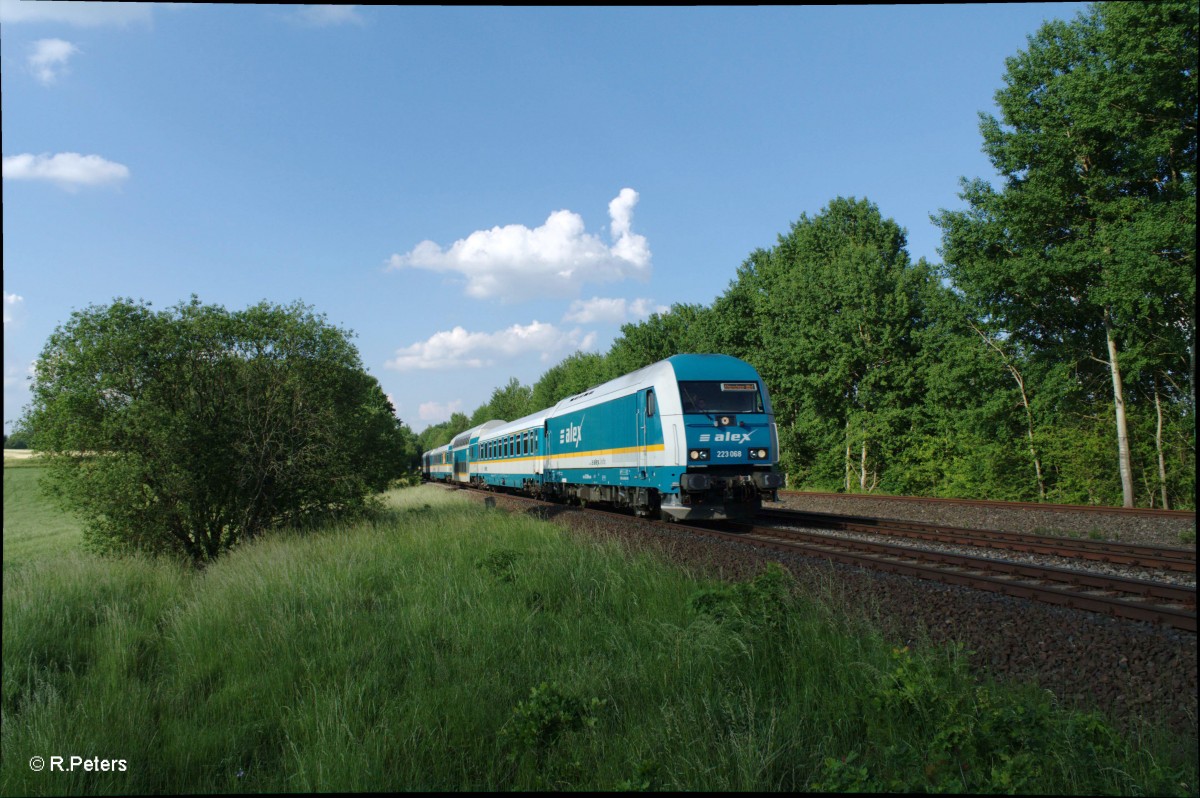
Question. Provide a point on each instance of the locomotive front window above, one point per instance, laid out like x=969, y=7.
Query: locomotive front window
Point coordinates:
x=714, y=396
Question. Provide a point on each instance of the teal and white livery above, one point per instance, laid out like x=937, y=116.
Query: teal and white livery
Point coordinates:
x=690, y=437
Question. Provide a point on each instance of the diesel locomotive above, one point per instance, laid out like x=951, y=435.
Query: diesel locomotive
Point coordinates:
x=691, y=437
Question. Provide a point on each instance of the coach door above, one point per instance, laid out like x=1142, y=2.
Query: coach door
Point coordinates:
x=645, y=411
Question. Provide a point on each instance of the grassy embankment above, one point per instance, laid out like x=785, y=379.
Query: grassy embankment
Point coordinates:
x=451, y=647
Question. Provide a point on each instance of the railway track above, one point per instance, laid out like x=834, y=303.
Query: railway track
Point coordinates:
x=1133, y=599
x=1152, y=512
x=1132, y=554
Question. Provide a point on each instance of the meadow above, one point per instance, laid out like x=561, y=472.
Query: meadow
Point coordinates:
x=447, y=646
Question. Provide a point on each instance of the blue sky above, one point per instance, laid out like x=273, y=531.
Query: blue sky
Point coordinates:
x=475, y=192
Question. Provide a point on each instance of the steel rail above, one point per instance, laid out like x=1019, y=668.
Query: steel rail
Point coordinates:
x=1080, y=579
x=1162, y=557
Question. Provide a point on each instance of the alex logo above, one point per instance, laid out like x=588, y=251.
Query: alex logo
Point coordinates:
x=725, y=437
x=571, y=434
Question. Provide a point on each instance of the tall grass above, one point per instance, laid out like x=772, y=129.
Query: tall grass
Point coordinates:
x=449, y=647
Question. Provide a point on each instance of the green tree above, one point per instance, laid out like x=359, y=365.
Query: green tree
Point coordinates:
x=1087, y=252
x=187, y=430
x=18, y=439
x=834, y=307
x=507, y=403
x=680, y=330
x=574, y=374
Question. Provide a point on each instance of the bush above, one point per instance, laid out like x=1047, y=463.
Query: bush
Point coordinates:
x=190, y=429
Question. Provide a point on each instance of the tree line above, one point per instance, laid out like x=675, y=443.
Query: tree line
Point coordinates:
x=1050, y=357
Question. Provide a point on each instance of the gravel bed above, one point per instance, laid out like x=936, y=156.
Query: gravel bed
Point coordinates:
x=1122, y=527
x=1128, y=670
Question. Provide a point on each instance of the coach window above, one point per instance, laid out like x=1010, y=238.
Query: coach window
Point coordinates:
x=650, y=403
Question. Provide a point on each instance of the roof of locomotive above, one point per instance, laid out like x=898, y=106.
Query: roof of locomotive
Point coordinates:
x=672, y=369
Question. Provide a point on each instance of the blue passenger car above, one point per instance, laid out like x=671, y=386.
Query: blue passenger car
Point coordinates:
x=512, y=455
x=436, y=464
x=464, y=448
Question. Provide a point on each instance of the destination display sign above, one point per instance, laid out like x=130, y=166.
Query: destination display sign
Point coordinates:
x=739, y=386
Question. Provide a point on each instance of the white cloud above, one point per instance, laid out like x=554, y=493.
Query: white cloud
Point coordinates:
x=436, y=412
x=458, y=348
x=68, y=169
x=324, y=16
x=514, y=261
x=75, y=13
x=49, y=59
x=613, y=311
x=12, y=304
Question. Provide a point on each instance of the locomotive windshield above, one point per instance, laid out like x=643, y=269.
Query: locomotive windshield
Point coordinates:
x=714, y=396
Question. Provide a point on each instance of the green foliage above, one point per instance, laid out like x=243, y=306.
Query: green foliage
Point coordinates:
x=541, y=720
x=440, y=434
x=759, y=607
x=187, y=430
x=507, y=404
x=1089, y=245
x=679, y=330
x=575, y=374
x=976, y=738
x=837, y=306
x=18, y=439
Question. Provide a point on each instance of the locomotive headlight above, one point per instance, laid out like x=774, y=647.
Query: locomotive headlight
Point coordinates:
x=697, y=455
x=758, y=454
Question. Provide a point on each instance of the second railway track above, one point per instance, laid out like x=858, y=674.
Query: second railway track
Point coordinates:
x=1134, y=599
x=1133, y=554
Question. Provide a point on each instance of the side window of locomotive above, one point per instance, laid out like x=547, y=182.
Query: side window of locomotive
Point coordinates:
x=650, y=404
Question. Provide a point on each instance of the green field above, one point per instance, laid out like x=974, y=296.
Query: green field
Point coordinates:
x=33, y=529
x=446, y=646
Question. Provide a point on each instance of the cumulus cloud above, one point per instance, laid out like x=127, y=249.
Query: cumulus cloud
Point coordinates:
x=458, y=348
x=84, y=14
x=436, y=412
x=613, y=311
x=324, y=16
x=12, y=304
x=514, y=261
x=49, y=59
x=67, y=169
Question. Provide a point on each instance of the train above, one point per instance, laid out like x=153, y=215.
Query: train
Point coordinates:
x=689, y=438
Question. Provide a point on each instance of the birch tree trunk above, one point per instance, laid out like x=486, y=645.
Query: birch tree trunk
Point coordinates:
x=1016, y=375
x=862, y=478
x=1158, y=444
x=1125, y=463
x=847, y=455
